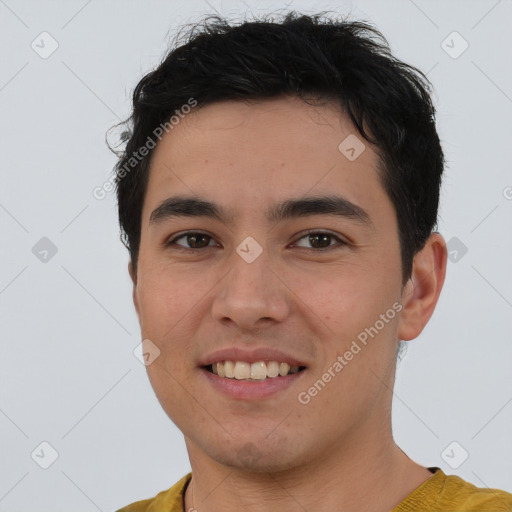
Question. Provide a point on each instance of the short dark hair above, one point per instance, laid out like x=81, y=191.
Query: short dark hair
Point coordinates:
x=349, y=62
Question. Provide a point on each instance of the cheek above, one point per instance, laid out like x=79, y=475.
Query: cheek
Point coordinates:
x=172, y=391
x=166, y=298
x=173, y=304
x=346, y=298
x=357, y=308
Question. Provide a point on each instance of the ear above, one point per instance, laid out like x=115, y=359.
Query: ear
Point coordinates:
x=421, y=292
x=133, y=276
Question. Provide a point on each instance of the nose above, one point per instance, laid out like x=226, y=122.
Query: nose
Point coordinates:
x=251, y=295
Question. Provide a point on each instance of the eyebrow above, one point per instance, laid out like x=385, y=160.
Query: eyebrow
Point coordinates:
x=334, y=205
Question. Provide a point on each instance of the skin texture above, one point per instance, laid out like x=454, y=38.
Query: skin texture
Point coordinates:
x=337, y=451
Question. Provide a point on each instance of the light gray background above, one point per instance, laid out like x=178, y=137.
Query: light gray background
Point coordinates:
x=68, y=374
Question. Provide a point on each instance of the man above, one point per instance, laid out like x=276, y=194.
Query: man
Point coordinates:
x=278, y=195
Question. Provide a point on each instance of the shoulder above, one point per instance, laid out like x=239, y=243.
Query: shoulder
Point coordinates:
x=451, y=493
x=170, y=499
x=465, y=496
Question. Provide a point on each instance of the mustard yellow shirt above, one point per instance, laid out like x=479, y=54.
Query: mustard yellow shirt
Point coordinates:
x=440, y=493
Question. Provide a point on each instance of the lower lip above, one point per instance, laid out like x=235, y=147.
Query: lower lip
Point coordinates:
x=252, y=390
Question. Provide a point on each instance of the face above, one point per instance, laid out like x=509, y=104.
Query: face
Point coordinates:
x=315, y=285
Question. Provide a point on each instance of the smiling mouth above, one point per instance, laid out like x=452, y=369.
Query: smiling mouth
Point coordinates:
x=261, y=370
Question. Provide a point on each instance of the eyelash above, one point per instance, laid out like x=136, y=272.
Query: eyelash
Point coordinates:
x=172, y=242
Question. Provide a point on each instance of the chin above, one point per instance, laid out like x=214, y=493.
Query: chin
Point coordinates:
x=254, y=456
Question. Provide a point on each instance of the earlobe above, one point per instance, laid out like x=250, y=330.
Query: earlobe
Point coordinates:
x=131, y=271
x=133, y=277
x=421, y=292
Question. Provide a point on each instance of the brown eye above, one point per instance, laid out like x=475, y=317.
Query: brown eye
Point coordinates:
x=196, y=241
x=320, y=240
x=193, y=241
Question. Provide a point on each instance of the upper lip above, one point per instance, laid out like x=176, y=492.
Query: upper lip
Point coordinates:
x=253, y=355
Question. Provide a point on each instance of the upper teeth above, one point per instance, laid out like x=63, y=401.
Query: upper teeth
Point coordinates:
x=258, y=371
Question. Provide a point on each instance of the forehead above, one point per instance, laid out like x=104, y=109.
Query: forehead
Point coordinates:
x=264, y=151
x=285, y=122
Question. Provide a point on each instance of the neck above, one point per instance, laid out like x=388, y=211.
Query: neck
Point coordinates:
x=368, y=474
